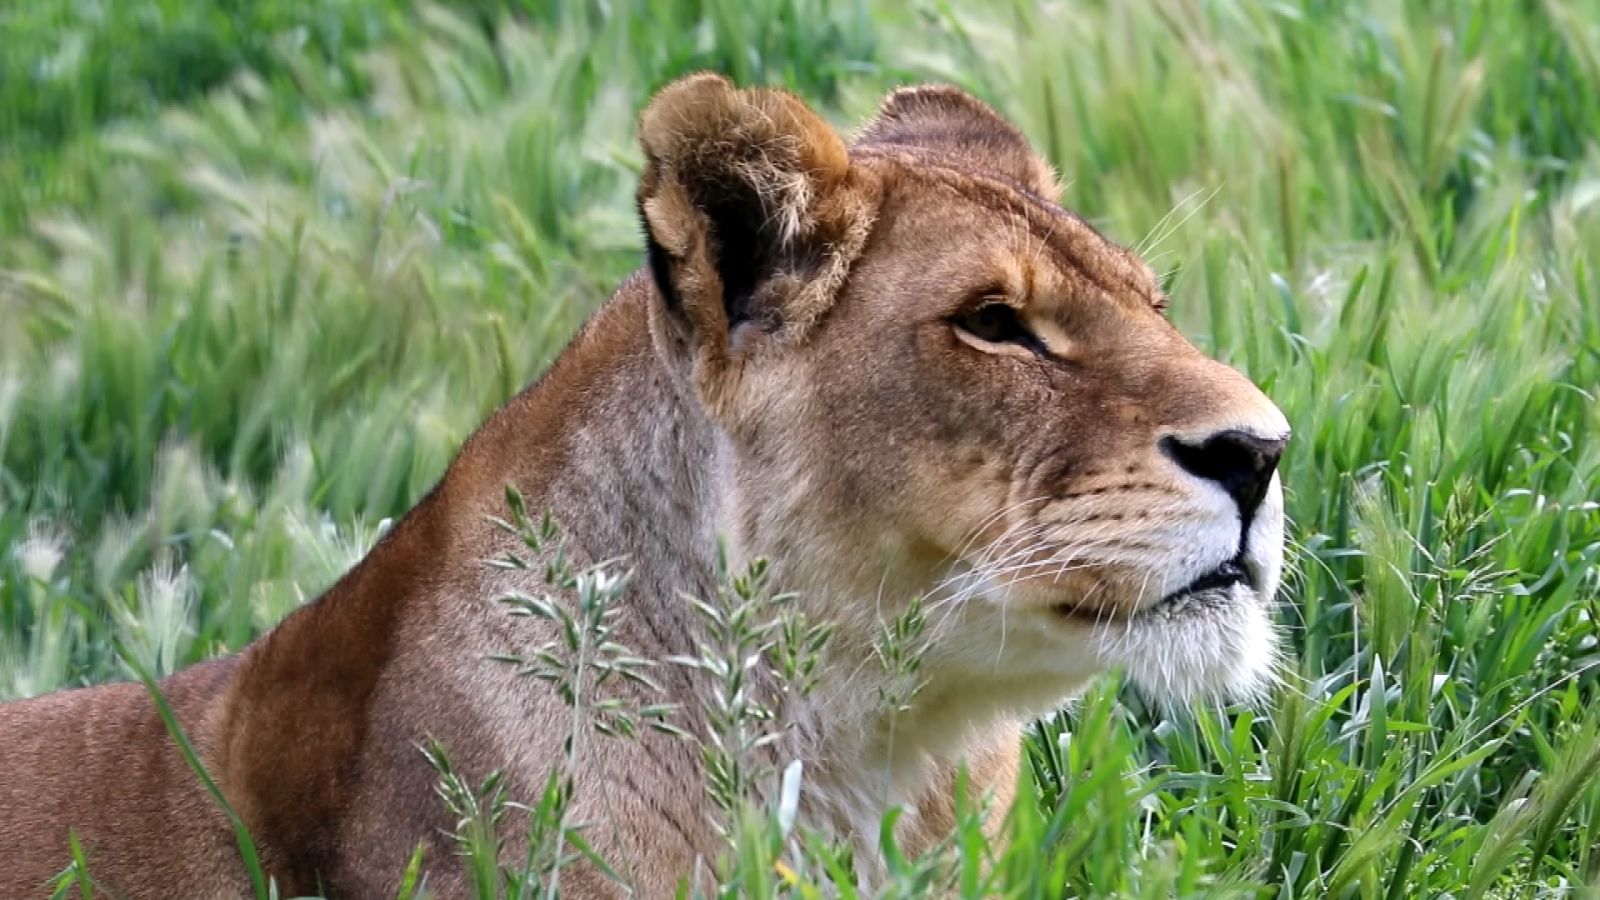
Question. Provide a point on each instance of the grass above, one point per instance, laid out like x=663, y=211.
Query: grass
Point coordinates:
x=251, y=316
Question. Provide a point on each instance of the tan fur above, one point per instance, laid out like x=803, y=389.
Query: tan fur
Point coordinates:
x=786, y=373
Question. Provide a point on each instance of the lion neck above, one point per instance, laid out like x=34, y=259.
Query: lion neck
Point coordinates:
x=643, y=475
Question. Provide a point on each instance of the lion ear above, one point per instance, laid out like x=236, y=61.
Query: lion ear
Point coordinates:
x=748, y=209
x=955, y=124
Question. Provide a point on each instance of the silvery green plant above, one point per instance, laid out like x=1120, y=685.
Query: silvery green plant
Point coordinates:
x=585, y=654
x=899, y=650
x=758, y=652
x=579, y=663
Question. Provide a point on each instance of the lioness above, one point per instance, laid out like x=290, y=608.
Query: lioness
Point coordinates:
x=896, y=368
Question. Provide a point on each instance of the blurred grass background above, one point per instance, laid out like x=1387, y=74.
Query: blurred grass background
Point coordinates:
x=263, y=266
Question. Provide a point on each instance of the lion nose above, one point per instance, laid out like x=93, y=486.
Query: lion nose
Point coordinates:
x=1242, y=463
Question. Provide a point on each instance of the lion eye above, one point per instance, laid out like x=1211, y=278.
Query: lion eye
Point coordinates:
x=996, y=323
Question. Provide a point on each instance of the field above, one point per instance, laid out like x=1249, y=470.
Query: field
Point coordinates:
x=264, y=267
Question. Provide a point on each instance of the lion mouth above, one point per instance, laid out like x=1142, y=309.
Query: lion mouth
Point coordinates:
x=1208, y=590
x=1211, y=591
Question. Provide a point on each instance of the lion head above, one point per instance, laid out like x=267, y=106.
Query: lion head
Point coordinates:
x=933, y=381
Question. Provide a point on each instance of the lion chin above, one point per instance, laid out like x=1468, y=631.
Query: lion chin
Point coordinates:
x=894, y=367
x=1210, y=639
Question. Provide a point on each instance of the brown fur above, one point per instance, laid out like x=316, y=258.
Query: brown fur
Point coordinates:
x=785, y=373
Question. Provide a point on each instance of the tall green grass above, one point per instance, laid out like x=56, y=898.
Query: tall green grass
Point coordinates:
x=242, y=330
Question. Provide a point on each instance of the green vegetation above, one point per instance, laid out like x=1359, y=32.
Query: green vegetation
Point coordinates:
x=262, y=270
